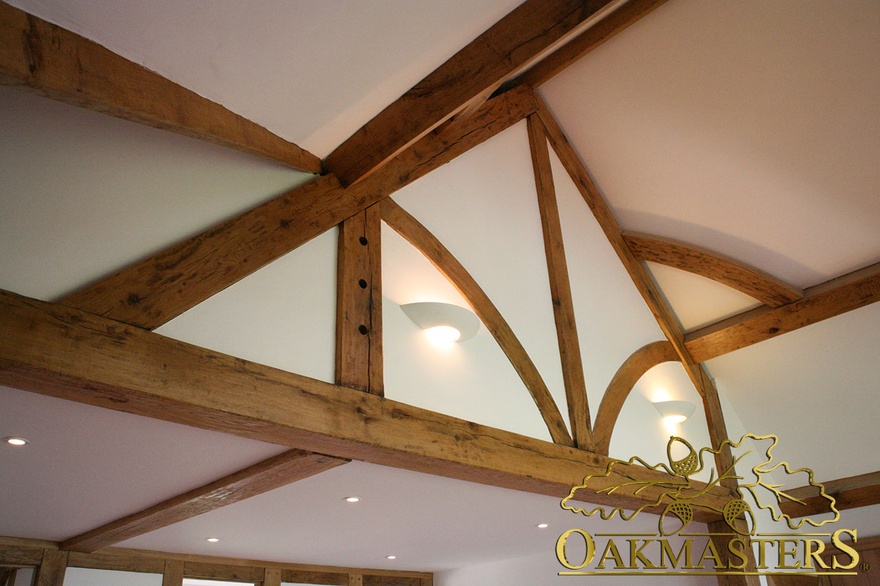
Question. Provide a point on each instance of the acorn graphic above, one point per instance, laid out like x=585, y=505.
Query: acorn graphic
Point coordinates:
x=687, y=465
x=680, y=510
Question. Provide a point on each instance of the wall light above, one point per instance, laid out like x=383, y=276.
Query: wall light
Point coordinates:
x=443, y=323
x=675, y=412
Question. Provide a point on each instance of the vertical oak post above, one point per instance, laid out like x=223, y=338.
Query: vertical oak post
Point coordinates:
x=272, y=577
x=173, y=575
x=52, y=568
x=359, y=303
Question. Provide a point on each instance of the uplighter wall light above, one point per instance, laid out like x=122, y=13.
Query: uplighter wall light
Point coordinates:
x=443, y=323
x=675, y=412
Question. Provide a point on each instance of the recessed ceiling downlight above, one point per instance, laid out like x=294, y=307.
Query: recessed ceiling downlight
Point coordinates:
x=16, y=441
x=390, y=557
x=212, y=539
x=352, y=499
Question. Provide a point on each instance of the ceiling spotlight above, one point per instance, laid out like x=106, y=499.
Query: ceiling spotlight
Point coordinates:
x=675, y=412
x=542, y=525
x=443, y=323
x=212, y=540
x=352, y=499
x=390, y=557
x=16, y=441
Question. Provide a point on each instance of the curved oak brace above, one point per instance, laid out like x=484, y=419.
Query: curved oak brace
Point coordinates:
x=680, y=255
x=428, y=244
x=629, y=373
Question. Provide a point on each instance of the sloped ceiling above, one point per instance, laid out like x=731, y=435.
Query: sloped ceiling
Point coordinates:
x=747, y=128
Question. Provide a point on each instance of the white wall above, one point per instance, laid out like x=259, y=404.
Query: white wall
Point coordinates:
x=542, y=571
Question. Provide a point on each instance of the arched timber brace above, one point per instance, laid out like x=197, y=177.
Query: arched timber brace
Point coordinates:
x=426, y=243
x=747, y=279
x=359, y=303
x=629, y=373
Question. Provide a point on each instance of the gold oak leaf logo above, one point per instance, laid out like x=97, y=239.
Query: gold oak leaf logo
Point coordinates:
x=680, y=495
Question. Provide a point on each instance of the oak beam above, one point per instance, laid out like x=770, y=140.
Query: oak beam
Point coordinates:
x=824, y=301
x=721, y=268
x=421, y=238
x=157, y=289
x=629, y=373
x=59, y=351
x=172, y=575
x=359, y=363
x=609, y=26
x=52, y=568
x=849, y=493
x=51, y=61
x=560, y=288
x=264, y=476
x=506, y=47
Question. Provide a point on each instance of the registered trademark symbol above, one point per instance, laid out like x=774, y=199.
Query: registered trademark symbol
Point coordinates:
x=865, y=566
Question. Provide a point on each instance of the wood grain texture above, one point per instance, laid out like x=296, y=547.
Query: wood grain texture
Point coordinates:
x=609, y=26
x=849, y=493
x=52, y=568
x=59, y=351
x=629, y=373
x=510, y=44
x=560, y=288
x=704, y=262
x=157, y=289
x=824, y=301
x=646, y=286
x=51, y=61
x=355, y=580
x=172, y=575
x=359, y=362
x=264, y=476
x=426, y=243
x=272, y=577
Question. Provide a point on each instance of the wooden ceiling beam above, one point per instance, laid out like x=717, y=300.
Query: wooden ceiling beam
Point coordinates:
x=849, y=493
x=51, y=61
x=264, y=476
x=560, y=288
x=59, y=351
x=157, y=289
x=505, y=48
x=609, y=26
x=707, y=263
x=824, y=301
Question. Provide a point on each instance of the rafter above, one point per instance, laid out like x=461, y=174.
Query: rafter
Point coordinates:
x=824, y=301
x=629, y=373
x=712, y=265
x=428, y=244
x=48, y=60
x=618, y=20
x=560, y=288
x=157, y=289
x=509, y=45
x=55, y=350
x=267, y=475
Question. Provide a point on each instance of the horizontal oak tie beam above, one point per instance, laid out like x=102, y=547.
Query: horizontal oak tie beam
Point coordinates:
x=62, y=352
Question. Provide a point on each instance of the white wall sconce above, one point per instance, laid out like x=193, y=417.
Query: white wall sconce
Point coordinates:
x=675, y=412
x=443, y=323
